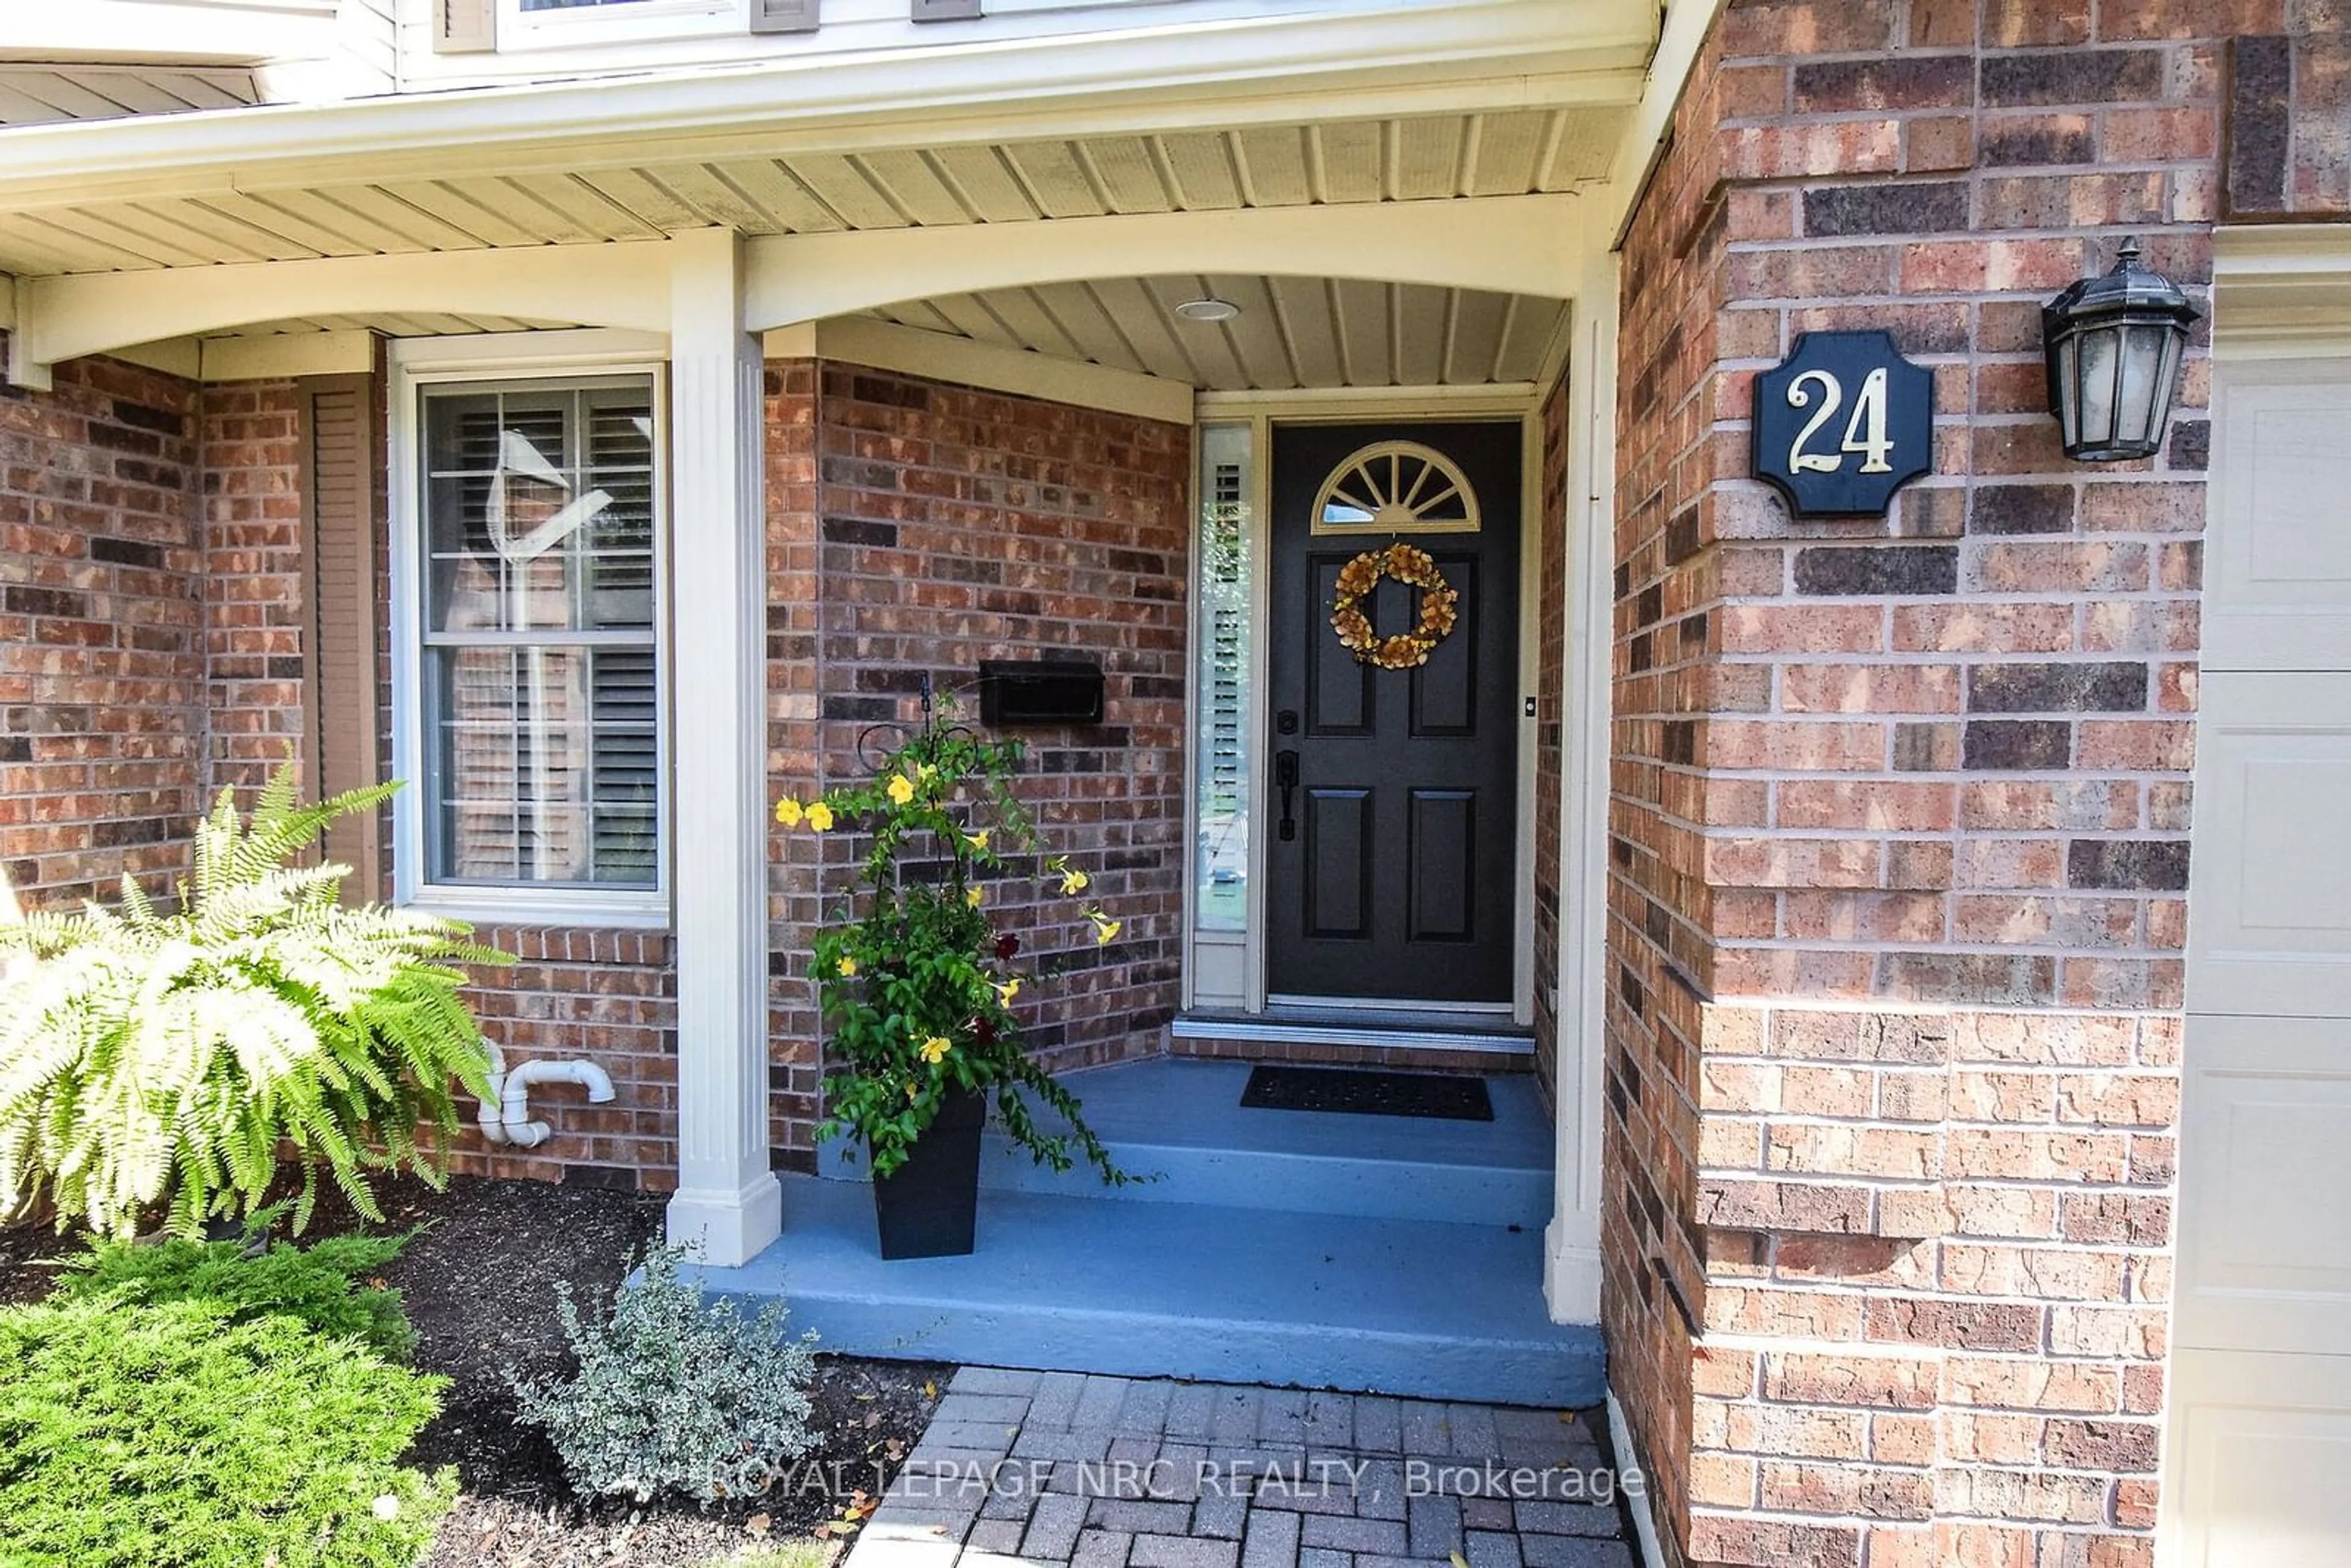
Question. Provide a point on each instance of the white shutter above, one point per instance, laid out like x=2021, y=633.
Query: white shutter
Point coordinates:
x=784, y=16
x=465, y=27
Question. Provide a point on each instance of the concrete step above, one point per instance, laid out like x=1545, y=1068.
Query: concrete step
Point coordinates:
x=1370, y=1304
x=1182, y=1121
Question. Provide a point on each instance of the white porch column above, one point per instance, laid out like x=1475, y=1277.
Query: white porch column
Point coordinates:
x=726, y=1197
x=1572, y=1265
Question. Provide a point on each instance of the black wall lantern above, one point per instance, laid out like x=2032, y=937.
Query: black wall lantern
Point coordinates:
x=2114, y=346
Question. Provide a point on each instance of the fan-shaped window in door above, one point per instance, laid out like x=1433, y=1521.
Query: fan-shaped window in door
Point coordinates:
x=1397, y=487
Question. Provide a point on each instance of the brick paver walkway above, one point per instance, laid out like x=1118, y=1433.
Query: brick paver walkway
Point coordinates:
x=1049, y=1469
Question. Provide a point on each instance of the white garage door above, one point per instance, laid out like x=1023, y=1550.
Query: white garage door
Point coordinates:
x=2259, y=1470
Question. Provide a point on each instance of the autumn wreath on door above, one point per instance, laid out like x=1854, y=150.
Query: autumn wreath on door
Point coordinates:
x=1361, y=577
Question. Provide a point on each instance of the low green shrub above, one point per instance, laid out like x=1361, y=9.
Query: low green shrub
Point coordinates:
x=675, y=1393
x=322, y=1284
x=171, y=1434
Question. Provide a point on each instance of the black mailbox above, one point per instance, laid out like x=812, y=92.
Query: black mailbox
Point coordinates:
x=1040, y=691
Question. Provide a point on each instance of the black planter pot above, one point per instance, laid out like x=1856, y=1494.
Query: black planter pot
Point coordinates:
x=926, y=1207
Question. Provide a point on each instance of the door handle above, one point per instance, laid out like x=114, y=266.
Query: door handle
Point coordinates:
x=1285, y=778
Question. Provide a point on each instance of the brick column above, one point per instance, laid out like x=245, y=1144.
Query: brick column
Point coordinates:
x=1898, y=841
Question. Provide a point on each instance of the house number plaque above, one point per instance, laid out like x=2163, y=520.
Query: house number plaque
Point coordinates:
x=1842, y=423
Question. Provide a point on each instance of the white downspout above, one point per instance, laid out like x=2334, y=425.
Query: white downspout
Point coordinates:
x=506, y=1114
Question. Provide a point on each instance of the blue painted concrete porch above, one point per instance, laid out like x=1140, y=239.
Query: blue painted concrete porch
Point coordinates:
x=1369, y=1253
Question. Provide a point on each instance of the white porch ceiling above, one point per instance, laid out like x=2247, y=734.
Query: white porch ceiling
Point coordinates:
x=46, y=94
x=1292, y=332
x=1508, y=152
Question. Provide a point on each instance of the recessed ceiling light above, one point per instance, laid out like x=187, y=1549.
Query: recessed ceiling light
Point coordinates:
x=1207, y=309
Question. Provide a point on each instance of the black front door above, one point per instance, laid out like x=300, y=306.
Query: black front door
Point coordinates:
x=1395, y=800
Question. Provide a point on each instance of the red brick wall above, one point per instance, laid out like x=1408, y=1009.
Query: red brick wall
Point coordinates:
x=953, y=525
x=254, y=593
x=1551, y=674
x=101, y=652
x=1899, y=831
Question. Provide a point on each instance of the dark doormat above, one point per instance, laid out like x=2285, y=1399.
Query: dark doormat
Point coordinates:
x=1356, y=1092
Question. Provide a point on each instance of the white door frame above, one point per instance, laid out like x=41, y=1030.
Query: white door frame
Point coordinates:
x=1261, y=411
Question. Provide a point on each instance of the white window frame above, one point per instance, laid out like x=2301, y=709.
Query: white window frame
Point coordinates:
x=421, y=363
x=637, y=21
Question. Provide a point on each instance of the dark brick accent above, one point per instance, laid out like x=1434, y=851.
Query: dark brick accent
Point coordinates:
x=2259, y=120
x=63, y=604
x=16, y=748
x=126, y=831
x=2071, y=76
x=1922, y=748
x=2033, y=142
x=2016, y=746
x=160, y=420
x=1681, y=536
x=2192, y=446
x=2127, y=865
x=1835, y=209
x=1651, y=606
x=858, y=531
x=2022, y=509
x=1680, y=740
x=1850, y=570
x=2116, y=687
x=127, y=552
x=1970, y=978
x=1901, y=81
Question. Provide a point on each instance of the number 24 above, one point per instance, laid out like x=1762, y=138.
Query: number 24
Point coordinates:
x=1865, y=432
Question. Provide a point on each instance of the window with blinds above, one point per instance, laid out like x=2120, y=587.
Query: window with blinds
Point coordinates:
x=1223, y=774
x=540, y=664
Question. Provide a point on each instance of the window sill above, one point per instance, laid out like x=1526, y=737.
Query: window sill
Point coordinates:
x=478, y=906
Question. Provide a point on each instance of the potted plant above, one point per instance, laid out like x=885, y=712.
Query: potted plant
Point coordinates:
x=917, y=982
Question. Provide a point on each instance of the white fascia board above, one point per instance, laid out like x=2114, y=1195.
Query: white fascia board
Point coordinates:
x=1506, y=245
x=1687, y=26
x=1484, y=55
x=617, y=285
x=164, y=33
x=347, y=353
x=910, y=351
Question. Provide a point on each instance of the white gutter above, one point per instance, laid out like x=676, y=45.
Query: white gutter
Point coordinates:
x=1408, y=58
x=506, y=1114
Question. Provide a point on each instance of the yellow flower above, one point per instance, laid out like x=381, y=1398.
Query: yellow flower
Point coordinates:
x=978, y=841
x=847, y=967
x=935, y=1049
x=819, y=817
x=914, y=1091
x=1007, y=990
x=973, y=896
x=900, y=790
x=1074, y=881
x=1104, y=930
x=924, y=770
x=788, y=812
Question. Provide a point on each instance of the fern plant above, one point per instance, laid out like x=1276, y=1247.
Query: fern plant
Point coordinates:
x=151, y=1058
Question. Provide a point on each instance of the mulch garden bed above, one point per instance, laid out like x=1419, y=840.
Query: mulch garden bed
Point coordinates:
x=479, y=1285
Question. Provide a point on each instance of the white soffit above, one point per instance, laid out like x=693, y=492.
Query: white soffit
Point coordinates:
x=46, y=94
x=1291, y=332
x=1515, y=151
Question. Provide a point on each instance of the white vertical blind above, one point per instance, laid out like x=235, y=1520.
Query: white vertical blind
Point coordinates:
x=1222, y=811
